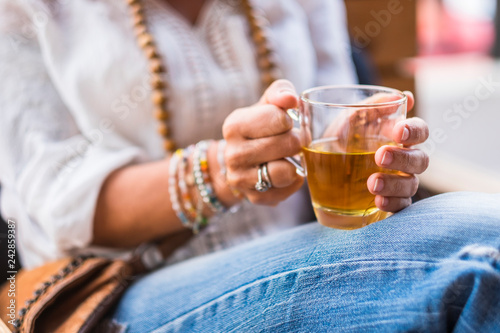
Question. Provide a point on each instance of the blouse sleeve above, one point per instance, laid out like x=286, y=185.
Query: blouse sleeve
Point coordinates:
x=328, y=26
x=50, y=173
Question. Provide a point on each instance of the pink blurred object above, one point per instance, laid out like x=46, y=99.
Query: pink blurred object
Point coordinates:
x=441, y=32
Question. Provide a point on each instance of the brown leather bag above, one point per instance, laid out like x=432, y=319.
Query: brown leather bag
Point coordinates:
x=75, y=294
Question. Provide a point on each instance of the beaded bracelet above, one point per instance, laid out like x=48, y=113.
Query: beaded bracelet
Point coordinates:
x=172, y=190
x=194, y=214
x=201, y=220
x=201, y=178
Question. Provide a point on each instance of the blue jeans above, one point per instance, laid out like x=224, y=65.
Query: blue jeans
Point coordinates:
x=434, y=267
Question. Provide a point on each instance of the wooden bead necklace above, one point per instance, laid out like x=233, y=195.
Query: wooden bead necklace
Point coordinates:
x=158, y=69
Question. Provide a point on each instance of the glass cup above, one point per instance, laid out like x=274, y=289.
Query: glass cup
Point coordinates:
x=341, y=128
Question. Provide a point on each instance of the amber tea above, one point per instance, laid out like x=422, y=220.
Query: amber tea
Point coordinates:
x=341, y=128
x=337, y=175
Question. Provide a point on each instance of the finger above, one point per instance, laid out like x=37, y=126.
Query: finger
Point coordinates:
x=390, y=185
x=256, y=122
x=391, y=204
x=410, y=132
x=274, y=195
x=378, y=106
x=411, y=99
x=413, y=161
x=250, y=153
x=366, y=119
x=281, y=173
x=381, y=98
x=280, y=93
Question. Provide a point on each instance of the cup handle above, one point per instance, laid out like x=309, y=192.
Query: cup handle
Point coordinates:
x=294, y=114
x=299, y=169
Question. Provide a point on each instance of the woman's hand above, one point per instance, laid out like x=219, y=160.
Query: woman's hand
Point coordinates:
x=394, y=191
x=263, y=133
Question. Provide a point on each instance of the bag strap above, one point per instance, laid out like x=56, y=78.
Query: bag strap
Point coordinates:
x=152, y=255
x=146, y=258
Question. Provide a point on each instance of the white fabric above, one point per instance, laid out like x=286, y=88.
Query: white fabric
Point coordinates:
x=75, y=104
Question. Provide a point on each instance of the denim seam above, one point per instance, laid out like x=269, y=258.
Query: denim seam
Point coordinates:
x=284, y=273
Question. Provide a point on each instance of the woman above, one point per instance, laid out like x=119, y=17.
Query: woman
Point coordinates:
x=86, y=171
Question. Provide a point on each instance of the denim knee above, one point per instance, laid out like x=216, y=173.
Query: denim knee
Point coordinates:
x=469, y=205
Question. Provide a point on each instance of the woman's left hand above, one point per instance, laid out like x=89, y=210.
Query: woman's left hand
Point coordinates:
x=394, y=191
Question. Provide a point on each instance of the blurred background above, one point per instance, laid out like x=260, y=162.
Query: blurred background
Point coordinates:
x=448, y=53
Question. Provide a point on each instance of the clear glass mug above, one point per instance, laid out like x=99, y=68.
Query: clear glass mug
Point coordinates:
x=341, y=128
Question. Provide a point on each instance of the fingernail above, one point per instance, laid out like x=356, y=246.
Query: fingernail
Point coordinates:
x=406, y=134
x=378, y=186
x=385, y=201
x=286, y=92
x=387, y=159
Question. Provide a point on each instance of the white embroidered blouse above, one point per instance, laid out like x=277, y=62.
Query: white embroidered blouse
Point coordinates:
x=75, y=104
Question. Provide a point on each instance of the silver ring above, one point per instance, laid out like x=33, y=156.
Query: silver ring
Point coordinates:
x=265, y=174
x=263, y=183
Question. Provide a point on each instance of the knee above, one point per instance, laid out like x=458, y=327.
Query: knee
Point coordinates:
x=461, y=206
x=462, y=218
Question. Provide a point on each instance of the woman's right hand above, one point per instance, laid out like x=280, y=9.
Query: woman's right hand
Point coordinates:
x=263, y=133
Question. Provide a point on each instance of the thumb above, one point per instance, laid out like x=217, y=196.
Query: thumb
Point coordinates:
x=411, y=99
x=280, y=93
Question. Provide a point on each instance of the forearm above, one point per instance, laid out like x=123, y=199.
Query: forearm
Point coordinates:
x=134, y=204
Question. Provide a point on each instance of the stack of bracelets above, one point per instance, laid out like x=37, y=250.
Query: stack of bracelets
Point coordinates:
x=188, y=209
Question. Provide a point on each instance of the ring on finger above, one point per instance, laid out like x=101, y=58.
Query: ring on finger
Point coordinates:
x=265, y=174
x=264, y=182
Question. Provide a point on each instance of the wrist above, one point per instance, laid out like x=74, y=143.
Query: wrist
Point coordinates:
x=197, y=186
